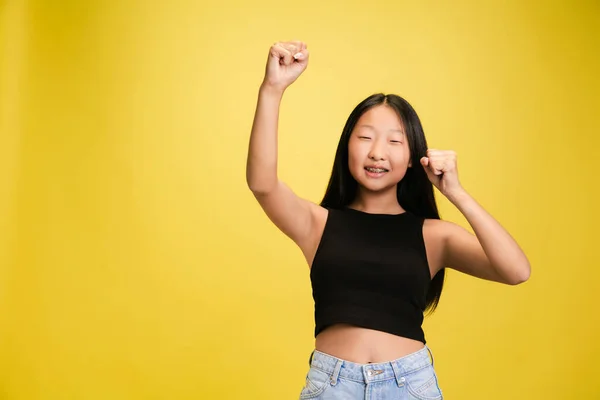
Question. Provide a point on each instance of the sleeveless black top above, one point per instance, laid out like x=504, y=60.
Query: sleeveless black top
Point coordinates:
x=371, y=270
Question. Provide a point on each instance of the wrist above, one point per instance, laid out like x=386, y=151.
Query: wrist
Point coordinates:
x=458, y=196
x=267, y=89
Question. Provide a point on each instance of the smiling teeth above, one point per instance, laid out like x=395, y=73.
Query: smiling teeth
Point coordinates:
x=376, y=170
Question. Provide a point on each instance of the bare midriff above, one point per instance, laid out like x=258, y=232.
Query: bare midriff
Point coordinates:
x=364, y=346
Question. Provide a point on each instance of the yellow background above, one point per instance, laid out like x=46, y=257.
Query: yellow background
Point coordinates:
x=134, y=261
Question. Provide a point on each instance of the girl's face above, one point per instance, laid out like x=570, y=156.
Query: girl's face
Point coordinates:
x=378, y=152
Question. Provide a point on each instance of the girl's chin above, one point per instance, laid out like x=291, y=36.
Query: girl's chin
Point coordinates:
x=378, y=186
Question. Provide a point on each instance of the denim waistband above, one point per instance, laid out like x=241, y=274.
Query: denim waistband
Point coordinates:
x=395, y=369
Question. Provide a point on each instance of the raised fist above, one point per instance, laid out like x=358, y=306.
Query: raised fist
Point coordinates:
x=287, y=60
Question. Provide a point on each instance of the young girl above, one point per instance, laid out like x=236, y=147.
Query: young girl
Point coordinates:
x=375, y=244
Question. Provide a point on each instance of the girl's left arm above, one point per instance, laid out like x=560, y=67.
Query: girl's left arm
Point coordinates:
x=491, y=253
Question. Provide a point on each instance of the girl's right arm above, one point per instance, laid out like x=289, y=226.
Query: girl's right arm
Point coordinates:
x=293, y=215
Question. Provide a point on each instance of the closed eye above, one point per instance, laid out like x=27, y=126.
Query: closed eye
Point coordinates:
x=364, y=137
x=395, y=141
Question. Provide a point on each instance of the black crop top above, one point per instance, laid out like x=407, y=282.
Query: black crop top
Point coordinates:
x=371, y=270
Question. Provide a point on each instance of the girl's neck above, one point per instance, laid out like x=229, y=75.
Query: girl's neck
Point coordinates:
x=377, y=203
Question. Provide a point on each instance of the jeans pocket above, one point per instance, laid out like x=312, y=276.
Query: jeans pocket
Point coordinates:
x=316, y=383
x=422, y=384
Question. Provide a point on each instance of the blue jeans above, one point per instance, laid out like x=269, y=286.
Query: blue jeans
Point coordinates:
x=411, y=377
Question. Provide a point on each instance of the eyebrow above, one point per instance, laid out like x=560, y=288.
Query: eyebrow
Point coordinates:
x=372, y=127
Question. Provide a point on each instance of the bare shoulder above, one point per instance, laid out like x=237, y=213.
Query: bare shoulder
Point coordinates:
x=300, y=219
x=438, y=227
x=319, y=217
x=437, y=234
x=434, y=234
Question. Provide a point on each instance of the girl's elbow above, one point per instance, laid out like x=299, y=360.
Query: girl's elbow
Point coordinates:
x=521, y=275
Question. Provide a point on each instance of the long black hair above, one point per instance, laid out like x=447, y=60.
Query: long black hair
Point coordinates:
x=415, y=191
